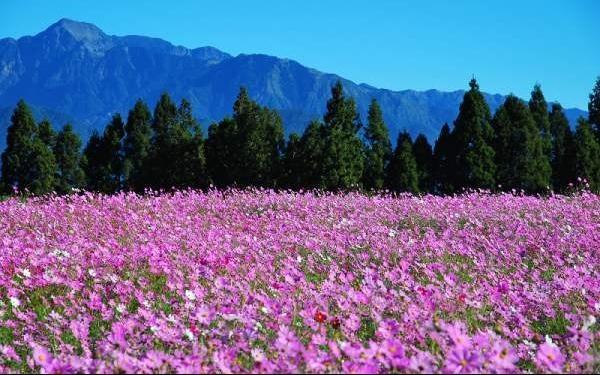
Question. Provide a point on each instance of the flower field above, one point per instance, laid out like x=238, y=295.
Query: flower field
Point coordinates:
x=258, y=281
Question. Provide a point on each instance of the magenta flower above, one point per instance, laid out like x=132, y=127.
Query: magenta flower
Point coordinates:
x=462, y=361
x=550, y=358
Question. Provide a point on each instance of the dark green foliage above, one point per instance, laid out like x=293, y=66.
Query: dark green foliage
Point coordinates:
x=539, y=111
x=312, y=148
x=378, y=150
x=520, y=159
x=587, y=154
x=443, y=163
x=594, y=108
x=343, y=155
x=402, y=174
x=136, y=145
x=246, y=150
x=563, y=153
x=27, y=162
x=67, y=151
x=46, y=133
x=473, y=157
x=292, y=166
x=424, y=158
x=103, y=158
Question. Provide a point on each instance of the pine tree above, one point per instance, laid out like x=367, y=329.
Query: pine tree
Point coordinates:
x=103, y=161
x=424, y=159
x=187, y=150
x=587, y=154
x=222, y=157
x=292, y=167
x=312, y=149
x=136, y=146
x=379, y=148
x=473, y=157
x=68, y=161
x=563, y=158
x=402, y=174
x=594, y=109
x=520, y=158
x=442, y=162
x=539, y=110
x=343, y=157
x=46, y=133
x=27, y=162
x=159, y=164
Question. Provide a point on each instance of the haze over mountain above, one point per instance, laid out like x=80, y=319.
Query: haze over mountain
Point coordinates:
x=73, y=71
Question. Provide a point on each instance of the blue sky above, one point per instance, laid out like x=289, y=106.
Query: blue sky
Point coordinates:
x=509, y=45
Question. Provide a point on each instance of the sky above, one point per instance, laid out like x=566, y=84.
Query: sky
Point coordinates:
x=507, y=45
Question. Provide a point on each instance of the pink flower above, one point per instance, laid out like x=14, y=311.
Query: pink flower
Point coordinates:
x=549, y=357
x=462, y=361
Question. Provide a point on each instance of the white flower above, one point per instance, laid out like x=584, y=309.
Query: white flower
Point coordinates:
x=264, y=309
x=549, y=340
x=26, y=272
x=597, y=306
x=121, y=308
x=589, y=321
x=190, y=295
x=171, y=318
x=190, y=336
x=392, y=233
x=258, y=355
x=15, y=302
x=154, y=329
x=299, y=259
x=92, y=273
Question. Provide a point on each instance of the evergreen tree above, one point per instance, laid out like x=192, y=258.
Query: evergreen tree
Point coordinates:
x=539, y=111
x=136, y=146
x=379, y=148
x=312, y=148
x=291, y=175
x=424, y=158
x=222, y=156
x=187, y=150
x=46, y=133
x=68, y=160
x=103, y=162
x=594, y=109
x=473, y=157
x=563, y=158
x=587, y=154
x=160, y=163
x=402, y=174
x=520, y=158
x=343, y=157
x=27, y=162
x=442, y=162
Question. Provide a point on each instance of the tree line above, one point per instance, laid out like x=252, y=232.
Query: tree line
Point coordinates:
x=524, y=145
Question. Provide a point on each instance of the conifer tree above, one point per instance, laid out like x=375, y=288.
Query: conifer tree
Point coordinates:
x=292, y=167
x=343, y=156
x=27, y=162
x=136, y=146
x=103, y=158
x=186, y=147
x=312, y=148
x=594, y=108
x=424, y=159
x=46, y=133
x=67, y=151
x=379, y=148
x=473, y=157
x=587, y=154
x=539, y=111
x=520, y=159
x=563, y=157
x=222, y=157
x=159, y=164
x=442, y=162
x=402, y=174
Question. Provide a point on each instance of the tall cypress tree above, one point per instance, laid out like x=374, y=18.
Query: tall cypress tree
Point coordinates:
x=292, y=167
x=103, y=158
x=186, y=148
x=222, y=152
x=520, y=158
x=379, y=148
x=312, y=149
x=539, y=111
x=343, y=157
x=424, y=158
x=67, y=151
x=46, y=133
x=587, y=154
x=442, y=162
x=563, y=153
x=402, y=174
x=473, y=157
x=594, y=109
x=136, y=145
x=27, y=162
x=159, y=164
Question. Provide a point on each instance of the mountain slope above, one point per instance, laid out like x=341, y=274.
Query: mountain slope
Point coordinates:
x=74, y=70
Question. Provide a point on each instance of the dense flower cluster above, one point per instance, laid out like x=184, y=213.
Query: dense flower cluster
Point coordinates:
x=258, y=281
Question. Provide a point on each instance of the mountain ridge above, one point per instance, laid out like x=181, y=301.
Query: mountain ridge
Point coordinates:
x=75, y=70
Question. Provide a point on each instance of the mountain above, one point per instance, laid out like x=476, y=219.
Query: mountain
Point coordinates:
x=73, y=71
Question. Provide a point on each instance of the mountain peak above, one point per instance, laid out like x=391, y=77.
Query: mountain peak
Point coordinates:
x=81, y=31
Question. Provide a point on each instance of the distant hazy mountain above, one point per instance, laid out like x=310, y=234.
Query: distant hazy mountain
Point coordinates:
x=73, y=71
